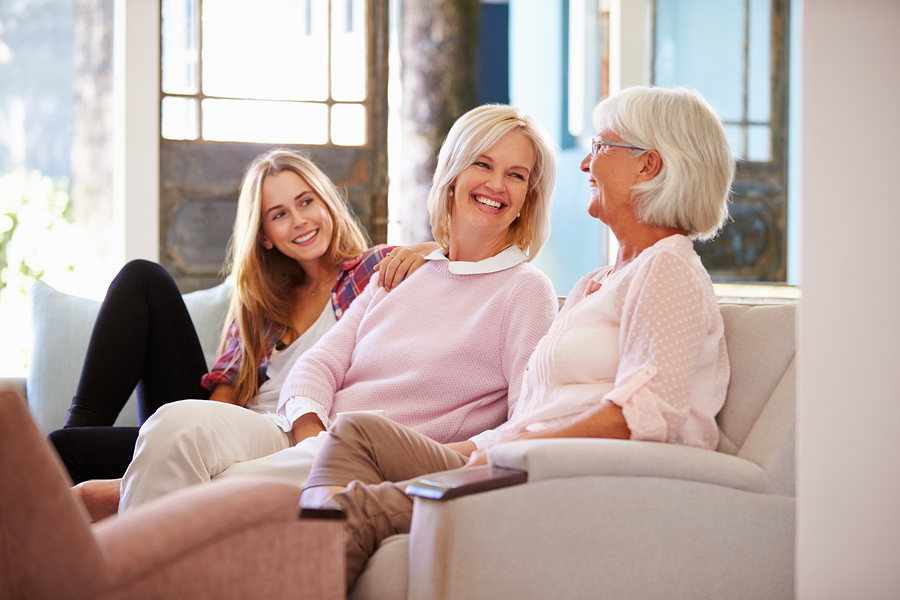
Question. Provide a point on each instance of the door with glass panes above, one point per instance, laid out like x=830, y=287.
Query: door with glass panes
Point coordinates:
x=735, y=52
x=239, y=78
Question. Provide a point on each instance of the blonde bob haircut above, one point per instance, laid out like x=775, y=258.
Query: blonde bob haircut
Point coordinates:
x=472, y=135
x=691, y=190
x=262, y=302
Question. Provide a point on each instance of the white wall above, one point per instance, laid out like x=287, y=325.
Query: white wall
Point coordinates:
x=848, y=543
x=136, y=130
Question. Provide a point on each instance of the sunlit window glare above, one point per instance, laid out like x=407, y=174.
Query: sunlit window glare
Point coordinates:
x=270, y=70
x=179, y=118
x=348, y=124
x=265, y=121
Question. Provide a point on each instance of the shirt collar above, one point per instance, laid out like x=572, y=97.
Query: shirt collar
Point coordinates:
x=676, y=239
x=499, y=262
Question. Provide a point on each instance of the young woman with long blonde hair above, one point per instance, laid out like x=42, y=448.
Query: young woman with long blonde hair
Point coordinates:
x=297, y=257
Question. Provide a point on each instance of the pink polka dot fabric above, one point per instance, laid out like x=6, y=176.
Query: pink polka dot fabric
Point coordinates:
x=648, y=338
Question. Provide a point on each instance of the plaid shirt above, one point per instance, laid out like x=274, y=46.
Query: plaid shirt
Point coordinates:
x=352, y=280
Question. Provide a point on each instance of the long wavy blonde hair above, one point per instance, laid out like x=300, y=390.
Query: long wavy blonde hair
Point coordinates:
x=262, y=301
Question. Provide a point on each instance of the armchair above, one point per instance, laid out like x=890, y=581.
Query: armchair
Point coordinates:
x=623, y=519
x=235, y=539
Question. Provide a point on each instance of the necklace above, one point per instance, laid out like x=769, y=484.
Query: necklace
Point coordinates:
x=312, y=293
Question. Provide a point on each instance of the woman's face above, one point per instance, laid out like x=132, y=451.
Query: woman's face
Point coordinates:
x=294, y=218
x=489, y=194
x=613, y=172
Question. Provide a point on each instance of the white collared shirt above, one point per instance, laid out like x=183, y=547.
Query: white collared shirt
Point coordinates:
x=503, y=260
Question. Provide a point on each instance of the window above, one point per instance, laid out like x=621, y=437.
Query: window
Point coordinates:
x=734, y=52
x=272, y=71
x=726, y=53
x=238, y=78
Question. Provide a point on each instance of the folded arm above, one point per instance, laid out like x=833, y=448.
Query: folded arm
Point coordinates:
x=604, y=420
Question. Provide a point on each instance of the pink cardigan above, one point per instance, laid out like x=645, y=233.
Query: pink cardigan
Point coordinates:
x=443, y=353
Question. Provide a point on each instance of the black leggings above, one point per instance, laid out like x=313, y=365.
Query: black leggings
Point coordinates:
x=143, y=340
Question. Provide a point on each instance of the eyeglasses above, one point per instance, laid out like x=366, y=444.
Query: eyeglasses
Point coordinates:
x=596, y=143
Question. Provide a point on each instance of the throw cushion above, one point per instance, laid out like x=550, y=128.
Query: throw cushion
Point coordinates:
x=62, y=325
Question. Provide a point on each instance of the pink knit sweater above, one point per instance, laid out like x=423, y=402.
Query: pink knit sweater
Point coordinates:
x=442, y=353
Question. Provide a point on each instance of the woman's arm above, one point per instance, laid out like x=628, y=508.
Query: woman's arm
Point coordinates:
x=319, y=372
x=664, y=325
x=604, y=420
x=306, y=426
x=223, y=393
x=224, y=371
x=403, y=262
x=466, y=447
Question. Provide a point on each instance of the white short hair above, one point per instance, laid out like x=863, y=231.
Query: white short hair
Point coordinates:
x=692, y=189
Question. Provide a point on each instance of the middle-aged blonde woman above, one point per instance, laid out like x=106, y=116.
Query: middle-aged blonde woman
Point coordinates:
x=444, y=353
x=638, y=351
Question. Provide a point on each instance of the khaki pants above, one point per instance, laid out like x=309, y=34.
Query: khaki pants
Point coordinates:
x=374, y=458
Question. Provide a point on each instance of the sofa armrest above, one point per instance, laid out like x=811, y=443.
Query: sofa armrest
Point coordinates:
x=562, y=458
x=462, y=482
x=631, y=507
x=179, y=523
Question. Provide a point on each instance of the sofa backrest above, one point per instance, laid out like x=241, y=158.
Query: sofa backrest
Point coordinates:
x=61, y=328
x=758, y=419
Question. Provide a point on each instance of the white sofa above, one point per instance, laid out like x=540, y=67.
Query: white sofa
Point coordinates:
x=61, y=328
x=596, y=518
x=626, y=520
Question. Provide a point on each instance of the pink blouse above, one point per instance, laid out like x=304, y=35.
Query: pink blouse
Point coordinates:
x=649, y=338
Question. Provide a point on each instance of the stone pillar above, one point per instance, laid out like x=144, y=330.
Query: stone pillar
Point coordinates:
x=439, y=50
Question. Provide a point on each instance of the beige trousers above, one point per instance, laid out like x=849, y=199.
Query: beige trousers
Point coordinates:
x=374, y=458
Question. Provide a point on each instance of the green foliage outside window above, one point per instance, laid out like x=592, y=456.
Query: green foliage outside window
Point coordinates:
x=37, y=242
x=33, y=210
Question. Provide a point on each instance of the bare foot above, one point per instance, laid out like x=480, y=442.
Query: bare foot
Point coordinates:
x=99, y=496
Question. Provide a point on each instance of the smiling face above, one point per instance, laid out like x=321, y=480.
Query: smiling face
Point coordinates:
x=489, y=194
x=295, y=220
x=613, y=173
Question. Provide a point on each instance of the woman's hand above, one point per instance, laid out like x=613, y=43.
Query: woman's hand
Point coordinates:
x=477, y=458
x=465, y=448
x=402, y=262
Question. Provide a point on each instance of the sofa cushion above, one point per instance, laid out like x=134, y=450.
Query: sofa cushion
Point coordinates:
x=386, y=576
x=62, y=325
x=761, y=345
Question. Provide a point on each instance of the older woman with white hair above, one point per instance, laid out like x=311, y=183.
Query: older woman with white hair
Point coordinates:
x=637, y=352
x=443, y=353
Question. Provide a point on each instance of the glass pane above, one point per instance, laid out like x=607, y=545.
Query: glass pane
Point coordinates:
x=179, y=47
x=348, y=44
x=735, y=139
x=266, y=49
x=348, y=124
x=265, y=121
x=759, y=62
x=700, y=43
x=179, y=118
x=759, y=143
